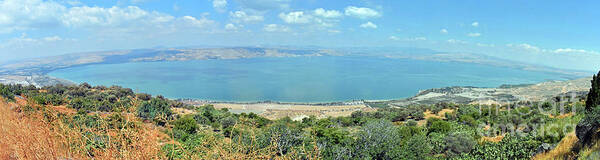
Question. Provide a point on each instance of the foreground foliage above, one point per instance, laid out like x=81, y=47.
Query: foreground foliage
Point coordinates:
x=115, y=123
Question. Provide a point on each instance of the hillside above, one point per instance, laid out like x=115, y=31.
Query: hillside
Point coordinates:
x=115, y=123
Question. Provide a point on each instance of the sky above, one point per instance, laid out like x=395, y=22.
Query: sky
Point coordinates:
x=555, y=33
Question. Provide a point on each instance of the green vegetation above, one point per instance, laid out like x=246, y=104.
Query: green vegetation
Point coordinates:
x=387, y=133
x=587, y=129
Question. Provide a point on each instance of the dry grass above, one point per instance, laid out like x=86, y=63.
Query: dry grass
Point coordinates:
x=495, y=139
x=428, y=114
x=561, y=116
x=440, y=115
x=42, y=134
x=562, y=150
x=23, y=137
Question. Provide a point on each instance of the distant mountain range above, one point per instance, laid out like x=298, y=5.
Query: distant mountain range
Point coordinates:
x=33, y=70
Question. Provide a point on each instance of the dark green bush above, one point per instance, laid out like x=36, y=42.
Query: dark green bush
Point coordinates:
x=153, y=108
x=458, y=143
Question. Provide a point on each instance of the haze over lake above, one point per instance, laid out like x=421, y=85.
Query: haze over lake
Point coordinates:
x=297, y=79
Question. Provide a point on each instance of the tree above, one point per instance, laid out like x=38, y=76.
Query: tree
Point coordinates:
x=593, y=97
x=586, y=129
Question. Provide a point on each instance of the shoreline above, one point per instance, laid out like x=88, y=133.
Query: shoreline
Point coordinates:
x=45, y=80
x=454, y=94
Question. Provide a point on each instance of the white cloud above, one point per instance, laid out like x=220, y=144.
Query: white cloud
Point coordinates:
x=334, y=31
x=526, y=47
x=362, y=13
x=475, y=24
x=416, y=39
x=115, y=16
x=534, y=49
x=276, y=28
x=444, y=31
x=37, y=14
x=29, y=14
x=319, y=18
x=474, y=34
x=571, y=50
x=327, y=13
x=485, y=45
x=295, y=17
x=456, y=41
x=220, y=5
x=193, y=21
x=368, y=25
x=23, y=41
x=241, y=16
x=393, y=38
x=52, y=39
x=230, y=26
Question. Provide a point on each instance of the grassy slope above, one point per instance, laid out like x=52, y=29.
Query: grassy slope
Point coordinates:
x=38, y=132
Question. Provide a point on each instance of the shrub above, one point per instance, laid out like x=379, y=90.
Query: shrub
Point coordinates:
x=144, y=96
x=48, y=99
x=186, y=124
x=81, y=103
x=378, y=139
x=153, y=108
x=468, y=119
x=511, y=147
x=459, y=142
x=437, y=125
x=6, y=93
x=416, y=147
x=284, y=137
x=328, y=132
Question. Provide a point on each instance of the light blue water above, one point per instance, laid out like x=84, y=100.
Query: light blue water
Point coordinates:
x=303, y=79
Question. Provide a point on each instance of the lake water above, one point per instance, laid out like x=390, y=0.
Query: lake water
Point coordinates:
x=299, y=79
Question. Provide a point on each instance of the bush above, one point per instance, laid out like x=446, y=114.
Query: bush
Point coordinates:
x=438, y=126
x=6, y=93
x=284, y=137
x=328, y=132
x=144, y=96
x=48, y=99
x=81, y=103
x=378, y=139
x=153, y=108
x=511, y=147
x=459, y=142
x=416, y=147
x=186, y=124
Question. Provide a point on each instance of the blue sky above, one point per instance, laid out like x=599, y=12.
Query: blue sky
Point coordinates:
x=550, y=32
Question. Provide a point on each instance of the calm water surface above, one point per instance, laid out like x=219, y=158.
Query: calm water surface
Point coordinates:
x=300, y=79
